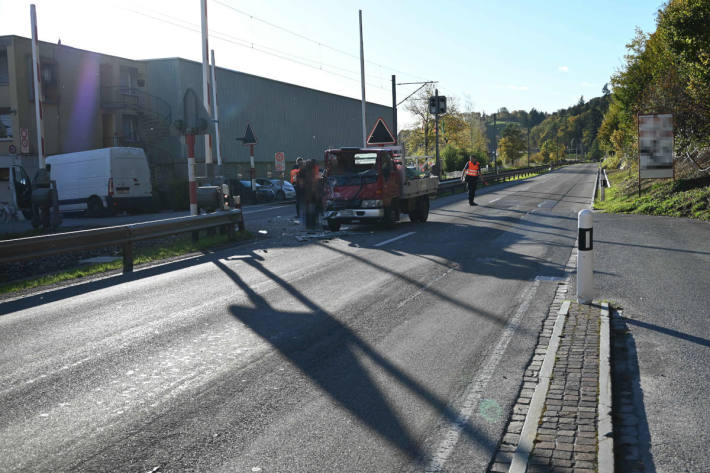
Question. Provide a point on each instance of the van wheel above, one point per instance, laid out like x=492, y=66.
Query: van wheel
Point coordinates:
x=94, y=207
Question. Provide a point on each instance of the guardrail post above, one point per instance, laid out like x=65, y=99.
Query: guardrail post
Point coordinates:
x=128, y=257
x=585, y=257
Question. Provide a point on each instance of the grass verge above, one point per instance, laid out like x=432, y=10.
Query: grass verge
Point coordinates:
x=689, y=198
x=181, y=246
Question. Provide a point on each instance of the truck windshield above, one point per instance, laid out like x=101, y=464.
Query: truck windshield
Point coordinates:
x=352, y=168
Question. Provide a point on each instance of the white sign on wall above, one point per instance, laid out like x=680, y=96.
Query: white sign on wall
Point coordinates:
x=656, y=146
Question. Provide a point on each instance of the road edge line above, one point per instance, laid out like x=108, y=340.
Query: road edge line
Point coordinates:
x=605, y=429
x=532, y=419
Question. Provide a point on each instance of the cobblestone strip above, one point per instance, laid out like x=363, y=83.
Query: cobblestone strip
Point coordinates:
x=502, y=460
x=567, y=436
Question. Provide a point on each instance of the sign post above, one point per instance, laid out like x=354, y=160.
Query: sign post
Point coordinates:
x=249, y=139
x=655, y=135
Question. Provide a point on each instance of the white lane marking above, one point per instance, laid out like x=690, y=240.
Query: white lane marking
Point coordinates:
x=423, y=288
x=475, y=390
x=404, y=235
x=495, y=200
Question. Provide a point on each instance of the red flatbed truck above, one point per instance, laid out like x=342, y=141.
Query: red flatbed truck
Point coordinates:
x=373, y=185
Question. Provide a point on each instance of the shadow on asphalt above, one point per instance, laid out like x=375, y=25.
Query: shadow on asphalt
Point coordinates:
x=667, y=331
x=330, y=354
x=632, y=438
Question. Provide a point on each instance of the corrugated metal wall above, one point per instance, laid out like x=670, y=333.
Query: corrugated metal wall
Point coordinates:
x=285, y=117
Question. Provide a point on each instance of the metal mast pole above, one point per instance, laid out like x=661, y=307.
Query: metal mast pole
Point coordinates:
x=436, y=124
x=495, y=142
x=362, y=81
x=206, y=87
x=216, y=114
x=36, y=72
x=394, y=109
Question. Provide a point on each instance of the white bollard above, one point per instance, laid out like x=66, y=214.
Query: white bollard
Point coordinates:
x=585, y=257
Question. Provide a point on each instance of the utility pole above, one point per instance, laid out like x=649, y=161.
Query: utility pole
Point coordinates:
x=436, y=124
x=216, y=115
x=206, y=89
x=495, y=142
x=528, y=145
x=38, y=87
x=394, y=109
x=362, y=81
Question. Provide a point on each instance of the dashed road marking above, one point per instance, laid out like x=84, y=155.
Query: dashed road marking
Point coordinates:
x=404, y=235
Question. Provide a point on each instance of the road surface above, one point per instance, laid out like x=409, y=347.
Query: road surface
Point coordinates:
x=396, y=350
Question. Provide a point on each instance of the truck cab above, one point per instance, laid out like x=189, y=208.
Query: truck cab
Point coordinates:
x=370, y=185
x=15, y=187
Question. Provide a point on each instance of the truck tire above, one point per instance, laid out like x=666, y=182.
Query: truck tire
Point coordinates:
x=423, y=210
x=391, y=214
x=414, y=215
x=333, y=225
x=94, y=207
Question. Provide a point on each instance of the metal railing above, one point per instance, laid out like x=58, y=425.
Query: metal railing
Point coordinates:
x=124, y=236
x=452, y=185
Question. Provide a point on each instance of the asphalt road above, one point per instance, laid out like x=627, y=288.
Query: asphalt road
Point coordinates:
x=658, y=269
x=396, y=350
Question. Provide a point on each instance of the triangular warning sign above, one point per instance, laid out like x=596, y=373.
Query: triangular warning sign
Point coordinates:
x=380, y=134
x=249, y=138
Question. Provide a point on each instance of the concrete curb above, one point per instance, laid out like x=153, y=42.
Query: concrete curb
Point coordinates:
x=537, y=403
x=605, y=432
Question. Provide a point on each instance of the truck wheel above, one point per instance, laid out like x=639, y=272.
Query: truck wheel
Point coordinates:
x=333, y=225
x=414, y=214
x=94, y=207
x=391, y=215
x=423, y=208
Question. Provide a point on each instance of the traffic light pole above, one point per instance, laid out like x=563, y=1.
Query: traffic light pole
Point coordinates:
x=436, y=124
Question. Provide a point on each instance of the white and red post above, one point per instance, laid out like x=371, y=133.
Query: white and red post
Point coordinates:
x=37, y=73
x=190, y=142
x=216, y=112
x=206, y=85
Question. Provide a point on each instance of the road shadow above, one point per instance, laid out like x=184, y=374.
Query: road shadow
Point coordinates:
x=333, y=357
x=632, y=438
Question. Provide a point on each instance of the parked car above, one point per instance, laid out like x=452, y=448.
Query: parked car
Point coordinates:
x=242, y=188
x=282, y=189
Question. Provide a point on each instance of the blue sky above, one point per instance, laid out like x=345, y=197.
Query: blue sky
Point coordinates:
x=517, y=54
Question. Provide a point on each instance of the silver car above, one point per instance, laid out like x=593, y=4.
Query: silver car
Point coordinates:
x=283, y=190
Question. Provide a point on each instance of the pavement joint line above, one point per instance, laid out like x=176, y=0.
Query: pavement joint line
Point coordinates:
x=404, y=235
x=475, y=390
x=605, y=432
x=537, y=403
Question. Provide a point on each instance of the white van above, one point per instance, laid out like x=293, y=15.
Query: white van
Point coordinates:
x=102, y=181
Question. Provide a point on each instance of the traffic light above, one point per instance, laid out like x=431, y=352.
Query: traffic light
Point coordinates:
x=439, y=108
x=442, y=104
x=432, y=105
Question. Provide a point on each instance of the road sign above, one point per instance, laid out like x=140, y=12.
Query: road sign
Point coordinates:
x=249, y=138
x=24, y=141
x=380, y=134
x=279, y=162
x=655, y=146
x=12, y=149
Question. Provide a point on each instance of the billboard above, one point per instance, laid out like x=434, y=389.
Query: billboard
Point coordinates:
x=655, y=146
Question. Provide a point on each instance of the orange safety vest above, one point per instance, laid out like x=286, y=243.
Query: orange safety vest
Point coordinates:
x=294, y=173
x=473, y=169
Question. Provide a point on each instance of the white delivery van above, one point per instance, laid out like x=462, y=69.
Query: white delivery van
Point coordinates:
x=102, y=181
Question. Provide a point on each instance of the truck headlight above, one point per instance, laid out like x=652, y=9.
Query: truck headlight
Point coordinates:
x=371, y=204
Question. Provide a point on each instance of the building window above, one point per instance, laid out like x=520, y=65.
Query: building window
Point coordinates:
x=50, y=81
x=130, y=127
x=5, y=125
x=4, y=69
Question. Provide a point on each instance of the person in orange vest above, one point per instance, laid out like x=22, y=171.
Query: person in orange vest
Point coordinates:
x=470, y=174
x=297, y=184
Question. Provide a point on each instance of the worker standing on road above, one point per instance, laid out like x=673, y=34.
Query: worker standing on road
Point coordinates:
x=297, y=184
x=470, y=174
x=309, y=177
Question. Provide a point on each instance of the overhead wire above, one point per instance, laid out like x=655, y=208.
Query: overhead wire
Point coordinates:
x=284, y=55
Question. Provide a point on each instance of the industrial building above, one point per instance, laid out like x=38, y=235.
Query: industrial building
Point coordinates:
x=94, y=100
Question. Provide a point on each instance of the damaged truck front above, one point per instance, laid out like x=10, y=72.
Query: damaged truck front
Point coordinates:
x=373, y=185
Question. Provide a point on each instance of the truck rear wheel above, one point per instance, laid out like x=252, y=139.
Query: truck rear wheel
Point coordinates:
x=423, y=208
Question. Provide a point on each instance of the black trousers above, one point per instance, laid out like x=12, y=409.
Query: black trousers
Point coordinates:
x=472, y=182
x=299, y=197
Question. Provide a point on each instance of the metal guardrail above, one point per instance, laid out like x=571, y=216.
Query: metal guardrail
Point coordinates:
x=124, y=235
x=451, y=185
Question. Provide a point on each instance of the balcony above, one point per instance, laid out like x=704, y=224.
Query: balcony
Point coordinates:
x=121, y=97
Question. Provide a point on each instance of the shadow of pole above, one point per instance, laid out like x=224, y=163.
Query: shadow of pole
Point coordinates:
x=307, y=340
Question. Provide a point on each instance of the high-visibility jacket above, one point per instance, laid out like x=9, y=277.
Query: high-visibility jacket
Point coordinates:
x=473, y=169
x=294, y=173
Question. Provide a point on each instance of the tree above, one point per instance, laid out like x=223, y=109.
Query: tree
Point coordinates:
x=512, y=144
x=419, y=107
